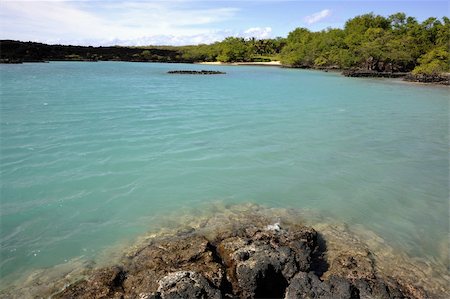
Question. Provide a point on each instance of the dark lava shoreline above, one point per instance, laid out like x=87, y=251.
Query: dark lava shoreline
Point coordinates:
x=252, y=262
x=442, y=79
x=247, y=252
x=193, y=72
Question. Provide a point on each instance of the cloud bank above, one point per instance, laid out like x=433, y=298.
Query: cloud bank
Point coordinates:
x=118, y=23
x=257, y=32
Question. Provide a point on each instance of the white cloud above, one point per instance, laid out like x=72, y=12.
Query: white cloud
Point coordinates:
x=194, y=39
x=318, y=16
x=106, y=23
x=173, y=40
x=257, y=32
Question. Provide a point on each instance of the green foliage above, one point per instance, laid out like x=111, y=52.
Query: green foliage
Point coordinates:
x=320, y=61
x=146, y=54
x=234, y=49
x=433, y=62
x=373, y=42
x=200, y=53
x=297, y=51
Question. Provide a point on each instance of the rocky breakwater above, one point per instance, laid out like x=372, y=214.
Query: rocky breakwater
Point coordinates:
x=254, y=259
x=202, y=72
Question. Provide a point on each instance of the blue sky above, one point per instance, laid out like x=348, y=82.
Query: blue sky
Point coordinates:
x=178, y=22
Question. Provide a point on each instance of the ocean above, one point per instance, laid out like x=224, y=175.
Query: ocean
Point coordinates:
x=93, y=155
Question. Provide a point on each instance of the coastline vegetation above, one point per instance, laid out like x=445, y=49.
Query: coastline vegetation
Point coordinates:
x=370, y=42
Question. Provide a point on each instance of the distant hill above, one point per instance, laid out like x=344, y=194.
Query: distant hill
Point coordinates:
x=17, y=51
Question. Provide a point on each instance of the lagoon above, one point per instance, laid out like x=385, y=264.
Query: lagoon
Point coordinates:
x=95, y=154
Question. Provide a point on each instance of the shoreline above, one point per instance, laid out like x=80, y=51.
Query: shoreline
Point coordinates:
x=404, y=77
x=226, y=254
x=444, y=79
x=270, y=63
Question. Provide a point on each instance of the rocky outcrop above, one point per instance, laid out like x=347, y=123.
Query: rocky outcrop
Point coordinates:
x=250, y=261
x=202, y=72
x=10, y=61
x=185, y=284
x=443, y=78
x=375, y=74
x=260, y=263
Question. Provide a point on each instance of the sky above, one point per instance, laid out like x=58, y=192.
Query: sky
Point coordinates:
x=183, y=22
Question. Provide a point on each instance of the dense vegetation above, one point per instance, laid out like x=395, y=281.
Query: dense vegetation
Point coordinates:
x=370, y=42
x=31, y=52
x=235, y=49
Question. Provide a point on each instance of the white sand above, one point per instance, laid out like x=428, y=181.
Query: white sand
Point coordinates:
x=270, y=63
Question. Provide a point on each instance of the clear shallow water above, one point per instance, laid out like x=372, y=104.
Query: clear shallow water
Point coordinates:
x=92, y=154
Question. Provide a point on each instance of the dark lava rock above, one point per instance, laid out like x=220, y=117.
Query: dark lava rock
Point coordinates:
x=251, y=261
x=261, y=262
x=185, y=284
x=191, y=253
x=443, y=79
x=104, y=283
x=373, y=74
x=202, y=72
x=308, y=285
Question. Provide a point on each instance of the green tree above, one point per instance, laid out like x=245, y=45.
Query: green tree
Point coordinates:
x=297, y=50
x=234, y=49
x=433, y=62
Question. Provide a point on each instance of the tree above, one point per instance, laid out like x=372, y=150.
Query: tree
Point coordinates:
x=233, y=49
x=297, y=50
x=433, y=62
x=398, y=22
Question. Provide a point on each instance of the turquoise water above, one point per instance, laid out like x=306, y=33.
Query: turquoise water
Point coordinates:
x=92, y=154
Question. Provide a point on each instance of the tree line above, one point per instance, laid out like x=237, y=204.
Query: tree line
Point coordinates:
x=396, y=43
x=373, y=42
x=370, y=42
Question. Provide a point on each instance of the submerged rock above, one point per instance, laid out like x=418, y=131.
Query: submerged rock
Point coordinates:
x=103, y=283
x=253, y=260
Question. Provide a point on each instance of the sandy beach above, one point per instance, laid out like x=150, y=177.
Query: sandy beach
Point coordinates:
x=270, y=63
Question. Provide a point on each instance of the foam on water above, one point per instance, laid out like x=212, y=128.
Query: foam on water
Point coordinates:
x=94, y=154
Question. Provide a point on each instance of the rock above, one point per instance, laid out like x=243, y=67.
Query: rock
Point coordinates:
x=250, y=261
x=308, y=285
x=186, y=284
x=142, y=273
x=368, y=73
x=262, y=262
x=202, y=72
x=104, y=283
x=11, y=61
x=189, y=253
x=443, y=78
x=356, y=266
x=275, y=227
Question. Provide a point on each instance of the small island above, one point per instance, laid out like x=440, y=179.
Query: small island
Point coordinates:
x=190, y=72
